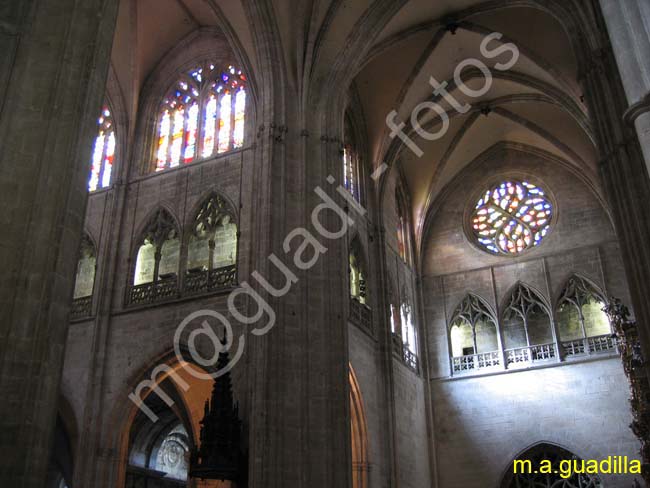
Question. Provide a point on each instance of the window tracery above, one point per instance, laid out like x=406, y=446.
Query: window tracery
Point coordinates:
x=212, y=247
x=403, y=229
x=473, y=328
x=173, y=453
x=352, y=173
x=360, y=312
x=202, y=115
x=103, y=152
x=85, y=279
x=527, y=328
x=158, y=253
x=583, y=325
x=511, y=218
x=358, y=288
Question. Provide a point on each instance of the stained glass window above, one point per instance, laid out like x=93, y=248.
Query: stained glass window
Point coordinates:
x=202, y=115
x=357, y=270
x=403, y=232
x=511, y=218
x=350, y=171
x=103, y=152
x=352, y=175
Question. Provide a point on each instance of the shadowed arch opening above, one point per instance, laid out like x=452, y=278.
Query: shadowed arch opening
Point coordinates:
x=556, y=460
x=583, y=326
x=212, y=246
x=527, y=327
x=60, y=469
x=158, y=436
x=359, y=435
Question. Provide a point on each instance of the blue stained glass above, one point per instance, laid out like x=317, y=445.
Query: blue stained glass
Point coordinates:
x=511, y=218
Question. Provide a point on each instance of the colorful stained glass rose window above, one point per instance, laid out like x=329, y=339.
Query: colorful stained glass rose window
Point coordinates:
x=512, y=217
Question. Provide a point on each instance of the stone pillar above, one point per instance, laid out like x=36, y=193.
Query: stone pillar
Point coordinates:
x=623, y=168
x=628, y=24
x=300, y=422
x=54, y=57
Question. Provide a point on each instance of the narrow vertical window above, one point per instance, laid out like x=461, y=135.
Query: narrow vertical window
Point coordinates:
x=350, y=171
x=103, y=152
x=163, y=141
x=225, y=113
x=108, y=160
x=403, y=230
x=351, y=161
x=210, y=126
x=240, y=112
x=177, y=137
x=190, y=134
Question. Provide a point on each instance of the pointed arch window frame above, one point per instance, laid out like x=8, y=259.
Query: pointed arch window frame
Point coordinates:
x=360, y=310
x=159, y=226
x=214, y=278
x=352, y=158
x=521, y=301
x=82, y=307
x=201, y=93
x=576, y=292
x=103, y=158
x=404, y=242
x=470, y=310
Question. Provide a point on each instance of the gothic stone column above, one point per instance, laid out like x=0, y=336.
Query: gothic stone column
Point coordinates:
x=54, y=57
x=623, y=168
x=628, y=24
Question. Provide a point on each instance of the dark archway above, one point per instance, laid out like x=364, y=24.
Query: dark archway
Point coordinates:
x=530, y=475
x=359, y=434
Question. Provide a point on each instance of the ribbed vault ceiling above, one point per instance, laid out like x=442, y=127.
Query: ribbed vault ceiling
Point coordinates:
x=536, y=103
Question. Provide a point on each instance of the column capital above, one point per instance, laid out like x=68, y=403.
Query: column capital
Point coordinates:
x=637, y=109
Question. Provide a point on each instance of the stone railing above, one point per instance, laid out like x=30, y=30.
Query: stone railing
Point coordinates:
x=81, y=307
x=360, y=314
x=410, y=359
x=476, y=361
x=590, y=345
x=161, y=290
x=196, y=282
x=403, y=352
x=523, y=355
x=207, y=281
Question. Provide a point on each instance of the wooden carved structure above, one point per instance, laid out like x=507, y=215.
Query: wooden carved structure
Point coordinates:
x=630, y=349
x=220, y=455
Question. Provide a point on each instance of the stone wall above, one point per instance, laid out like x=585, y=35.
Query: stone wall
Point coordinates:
x=482, y=423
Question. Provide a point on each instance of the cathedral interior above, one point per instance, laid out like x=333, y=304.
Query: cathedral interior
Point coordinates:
x=323, y=243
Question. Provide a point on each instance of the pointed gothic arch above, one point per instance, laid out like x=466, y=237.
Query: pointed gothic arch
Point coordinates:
x=359, y=434
x=473, y=335
x=358, y=271
x=527, y=326
x=84, y=287
x=156, y=258
x=212, y=246
x=583, y=326
x=545, y=451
